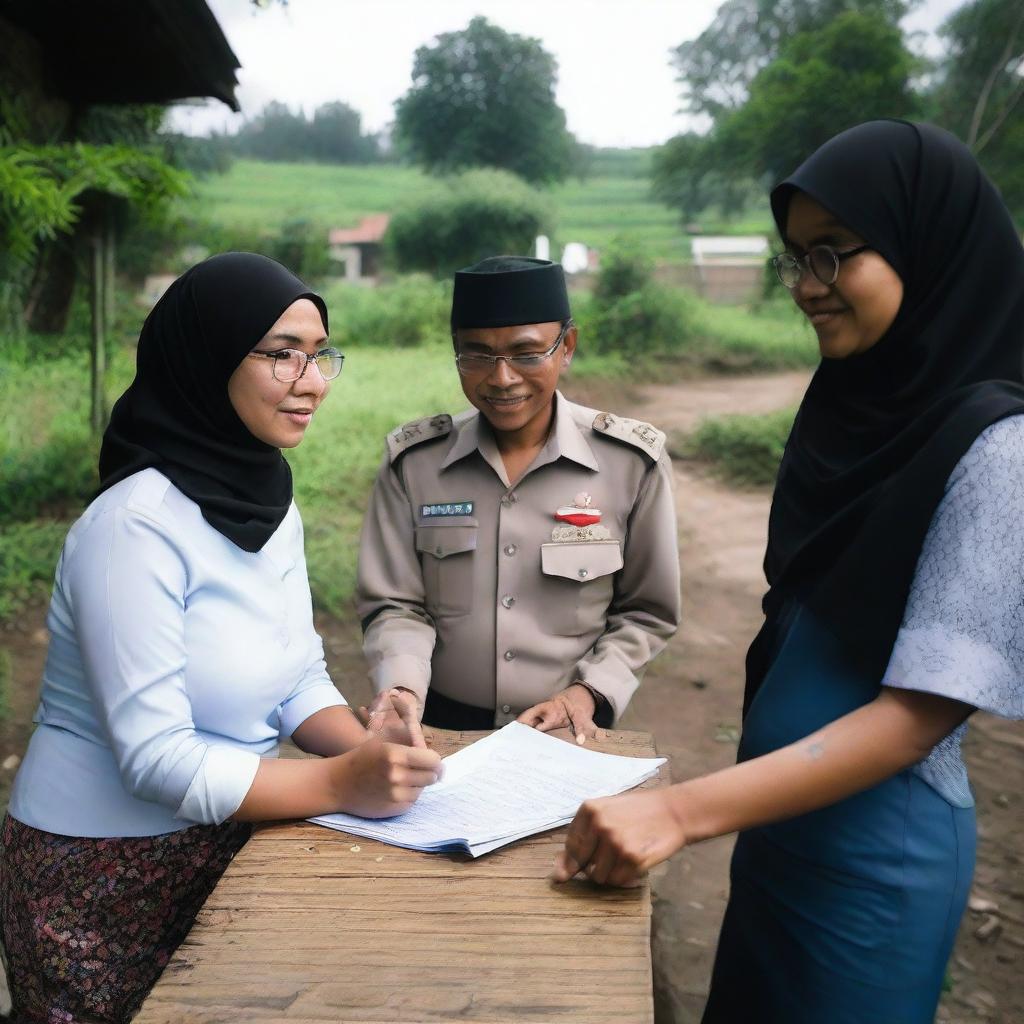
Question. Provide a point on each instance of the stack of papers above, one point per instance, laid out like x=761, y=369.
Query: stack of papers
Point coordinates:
x=511, y=784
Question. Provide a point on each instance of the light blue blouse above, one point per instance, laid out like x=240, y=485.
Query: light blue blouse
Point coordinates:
x=176, y=661
x=962, y=634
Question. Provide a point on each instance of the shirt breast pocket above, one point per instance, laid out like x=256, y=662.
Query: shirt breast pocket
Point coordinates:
x=446, y=554
x=581, y=581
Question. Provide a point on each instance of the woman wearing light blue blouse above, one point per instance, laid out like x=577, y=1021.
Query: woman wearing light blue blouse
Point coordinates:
x=182, y=647
x=896, y=605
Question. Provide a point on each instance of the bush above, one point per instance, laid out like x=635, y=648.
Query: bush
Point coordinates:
x=58, y=476
x=412, y=311
x=28, y=554
x=744, y=449
x=652, y=320
x=626, y=268
x=631, y=314
x=465, y=218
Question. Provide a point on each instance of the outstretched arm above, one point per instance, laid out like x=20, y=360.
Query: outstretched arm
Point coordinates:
x=617, y=839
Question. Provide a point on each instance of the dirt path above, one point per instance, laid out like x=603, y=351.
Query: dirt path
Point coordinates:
x=691, y=702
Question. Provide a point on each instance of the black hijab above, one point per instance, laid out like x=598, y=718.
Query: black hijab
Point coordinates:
x=176, y=415
x=878, y=434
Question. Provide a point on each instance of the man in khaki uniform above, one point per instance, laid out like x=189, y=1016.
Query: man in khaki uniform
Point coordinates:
x=519, y=560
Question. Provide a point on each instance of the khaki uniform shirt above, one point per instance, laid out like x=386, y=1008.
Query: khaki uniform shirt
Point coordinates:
x=468, y=584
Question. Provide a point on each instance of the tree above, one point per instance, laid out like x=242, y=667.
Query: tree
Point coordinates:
x=336, y=135
x=855, y=69
x=980, y=90
x=484, y=97
x=716, y=69
x=463, y=219
x=691, y=173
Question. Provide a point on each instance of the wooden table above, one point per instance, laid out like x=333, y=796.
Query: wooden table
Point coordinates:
x=309, y=924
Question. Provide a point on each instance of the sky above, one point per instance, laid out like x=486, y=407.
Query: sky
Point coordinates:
x=615, y=81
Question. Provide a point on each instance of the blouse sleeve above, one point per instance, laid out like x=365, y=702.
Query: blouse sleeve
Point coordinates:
x=962, y=634
x=126, y=582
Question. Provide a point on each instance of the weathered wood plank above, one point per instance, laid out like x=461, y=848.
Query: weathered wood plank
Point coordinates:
x=310, y=925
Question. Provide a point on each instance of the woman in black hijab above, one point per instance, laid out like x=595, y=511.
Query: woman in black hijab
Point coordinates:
x=182, y=648
x=896, y=601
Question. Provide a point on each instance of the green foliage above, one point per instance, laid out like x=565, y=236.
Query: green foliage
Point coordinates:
x=6, y=678
x=744, y=449
x=716, y=68
x=42, y=188
x=774, y=335
x=28, y=555
x=484, y=97
x=54, y=477
x=333, y=135
x=412, y=311
x=980, y=90
x=653, y=320
x=626, y=267
x=854, y=69
x=465, y=218
x=630, y=313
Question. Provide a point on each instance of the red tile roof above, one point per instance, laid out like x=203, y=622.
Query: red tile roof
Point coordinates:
x=369, y=229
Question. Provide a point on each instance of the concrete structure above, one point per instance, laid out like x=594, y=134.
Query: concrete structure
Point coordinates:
x=730, y=268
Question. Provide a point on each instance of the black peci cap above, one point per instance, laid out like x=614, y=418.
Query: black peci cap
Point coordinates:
x=503, y=291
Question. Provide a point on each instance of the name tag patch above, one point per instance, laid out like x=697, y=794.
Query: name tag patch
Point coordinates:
x=449, y=508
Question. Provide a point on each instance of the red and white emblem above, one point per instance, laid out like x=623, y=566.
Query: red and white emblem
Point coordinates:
x=580, y=513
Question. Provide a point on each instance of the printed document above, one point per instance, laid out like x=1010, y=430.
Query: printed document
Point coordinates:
x=511, y=784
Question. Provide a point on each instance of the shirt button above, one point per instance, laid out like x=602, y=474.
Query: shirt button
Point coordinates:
x=583, y=574
x=509, y=655
x=508, y=600
x=510, y=550
x=506, y=708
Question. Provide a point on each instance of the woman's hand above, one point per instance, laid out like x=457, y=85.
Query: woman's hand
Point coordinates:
x=394, y=716
x=378, y=779
x=572, y=708
x=617, y=839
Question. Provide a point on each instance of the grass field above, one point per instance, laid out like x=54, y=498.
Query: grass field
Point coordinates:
x=614, y=201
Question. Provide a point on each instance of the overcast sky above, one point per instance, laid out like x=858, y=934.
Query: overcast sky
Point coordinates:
x=615, y=82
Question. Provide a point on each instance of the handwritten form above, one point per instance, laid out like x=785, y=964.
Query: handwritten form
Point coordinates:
x=511, y=784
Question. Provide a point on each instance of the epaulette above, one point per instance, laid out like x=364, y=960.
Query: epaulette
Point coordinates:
x=410, y=434
x=641, y=435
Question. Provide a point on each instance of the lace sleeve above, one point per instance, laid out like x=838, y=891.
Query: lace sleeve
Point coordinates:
x=962, y=634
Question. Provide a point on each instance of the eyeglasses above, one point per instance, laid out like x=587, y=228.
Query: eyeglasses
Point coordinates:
x=478, y=362
x=289, y=364
x=822, y=261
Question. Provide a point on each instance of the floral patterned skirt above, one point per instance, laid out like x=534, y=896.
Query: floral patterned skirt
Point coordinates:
x=89, y=924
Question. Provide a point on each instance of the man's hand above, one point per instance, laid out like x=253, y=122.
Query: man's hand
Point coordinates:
x=571, y=708
x=394, y=716
x=616, y=840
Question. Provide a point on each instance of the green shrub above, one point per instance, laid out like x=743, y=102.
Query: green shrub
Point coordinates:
x=464, y=218
x=414, y=310
x=28, y=556
x=654, y=320
x=744, y=449
x=58, y=476
x=626, y=268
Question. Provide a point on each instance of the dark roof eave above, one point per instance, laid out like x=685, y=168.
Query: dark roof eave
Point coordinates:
x=129, y=51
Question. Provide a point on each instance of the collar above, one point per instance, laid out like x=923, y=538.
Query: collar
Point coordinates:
x=566, y=440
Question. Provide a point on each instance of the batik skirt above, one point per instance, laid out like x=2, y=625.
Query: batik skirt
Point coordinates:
x=88, y=924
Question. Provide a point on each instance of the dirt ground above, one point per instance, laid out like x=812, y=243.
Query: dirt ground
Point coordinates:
x=699, y=677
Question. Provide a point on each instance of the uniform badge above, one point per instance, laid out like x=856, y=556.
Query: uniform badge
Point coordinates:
x=579, y=521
